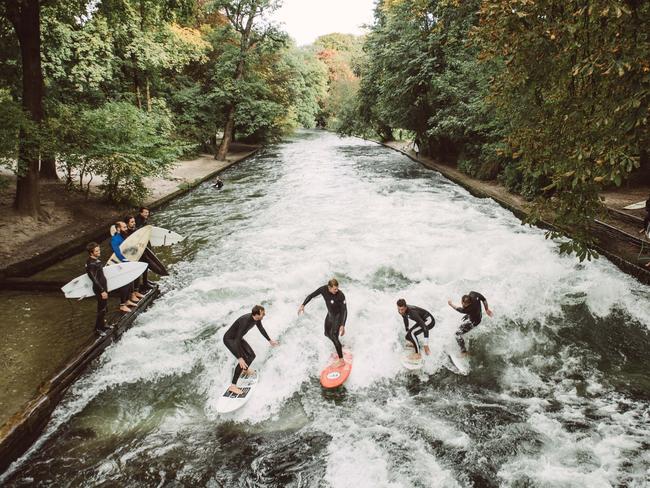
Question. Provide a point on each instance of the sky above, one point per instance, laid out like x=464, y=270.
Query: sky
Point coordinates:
x=305, y=20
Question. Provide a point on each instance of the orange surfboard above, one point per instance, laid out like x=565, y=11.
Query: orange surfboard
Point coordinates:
x=331, y=377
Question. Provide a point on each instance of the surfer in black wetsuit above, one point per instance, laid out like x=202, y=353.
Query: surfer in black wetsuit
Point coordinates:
x=337, y=314
x=218, y=183
x=471, y=307
x=234, y=341
x=142, y=217
x=95, y=270
x=423, y=323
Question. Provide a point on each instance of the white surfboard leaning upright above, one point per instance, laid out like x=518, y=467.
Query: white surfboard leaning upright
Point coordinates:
x=133, y=246
x=164, y=237
x=229, y=402
x=117, y=276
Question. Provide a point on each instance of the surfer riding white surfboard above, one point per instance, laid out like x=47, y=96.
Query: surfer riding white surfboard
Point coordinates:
x=471, y=308
x=243, y=352
x=417, y=321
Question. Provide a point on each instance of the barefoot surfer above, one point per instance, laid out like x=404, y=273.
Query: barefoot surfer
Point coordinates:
x=337, y=314
x=234, y=341
x=471, y=307
x=423, y=322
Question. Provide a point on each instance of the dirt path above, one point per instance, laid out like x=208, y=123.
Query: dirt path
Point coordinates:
x=67, y=215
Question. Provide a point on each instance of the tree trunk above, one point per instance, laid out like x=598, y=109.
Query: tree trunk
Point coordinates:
x=244, y=45
x=25, y=17
x=148, y=93
x=48, y=167
x=228, y=129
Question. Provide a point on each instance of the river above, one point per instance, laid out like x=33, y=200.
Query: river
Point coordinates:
x=558, y=395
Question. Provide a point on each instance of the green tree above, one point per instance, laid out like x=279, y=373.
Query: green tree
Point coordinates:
x=575, y=88
x=247, y=23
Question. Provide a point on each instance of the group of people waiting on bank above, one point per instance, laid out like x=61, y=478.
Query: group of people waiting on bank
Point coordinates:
x=417, y=322
x=129, y=294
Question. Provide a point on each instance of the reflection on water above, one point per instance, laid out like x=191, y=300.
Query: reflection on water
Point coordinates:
x=557, y=395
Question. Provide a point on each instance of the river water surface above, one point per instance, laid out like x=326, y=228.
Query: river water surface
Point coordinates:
x=558, y=394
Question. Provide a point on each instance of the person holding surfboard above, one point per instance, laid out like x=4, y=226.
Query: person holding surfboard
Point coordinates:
x=423, y=322
x=471, y=307
x=337, y=314
x=128, y=297
x=95, y=271
x=234, y=341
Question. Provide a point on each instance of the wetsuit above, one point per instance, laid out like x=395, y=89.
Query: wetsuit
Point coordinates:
x=472, y=318
x=234, y=341
x=116, y=241
x=140, y=221
x=95, y=270
x=646, y=220
x=337, y=314
x=424, y=322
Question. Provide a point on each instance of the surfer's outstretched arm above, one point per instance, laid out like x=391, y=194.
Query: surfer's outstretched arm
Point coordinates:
x=309, y=297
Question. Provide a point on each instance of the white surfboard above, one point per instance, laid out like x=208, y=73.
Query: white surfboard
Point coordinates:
x=229, y=402
x=635, y=206
x=164, y=237
x=407, y=362
x=133, y=246
x=117, y=276
x=460, y=363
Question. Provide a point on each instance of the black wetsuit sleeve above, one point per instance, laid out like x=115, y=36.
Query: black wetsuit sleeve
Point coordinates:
x=406, y=323
x=460, y=309
x=260, y=327
x=344, y=309
x=95, y=273
x=313, y=294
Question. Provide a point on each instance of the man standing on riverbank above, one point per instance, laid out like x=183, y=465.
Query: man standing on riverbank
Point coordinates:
x=471, y=307
x=337, y=314
x=423, y=323
x=142, y=217
x=234, y=341
x=95, y=271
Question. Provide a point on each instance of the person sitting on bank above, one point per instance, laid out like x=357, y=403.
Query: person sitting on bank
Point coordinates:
x=128, y=296
x=95, y=271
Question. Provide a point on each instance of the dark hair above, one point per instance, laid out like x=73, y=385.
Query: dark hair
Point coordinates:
x=257, y=309
x=332, y=282
x=466, y=298
x=90, y=247
x=401, y=302
x=143, y=208
x=127, y=218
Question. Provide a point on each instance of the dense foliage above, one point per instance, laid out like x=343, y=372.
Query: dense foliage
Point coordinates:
x=129, y=85
x=550, y=97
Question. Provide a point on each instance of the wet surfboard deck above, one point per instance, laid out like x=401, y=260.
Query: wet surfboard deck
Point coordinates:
x=332, y=377
x=164, y=237
x=133, y=246
x=457, y=363
x=117, y=276
x=229, y=401
x=407, y=362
